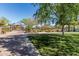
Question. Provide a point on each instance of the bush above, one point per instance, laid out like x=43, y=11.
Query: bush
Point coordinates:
x=47, y=51
x=4, y=30
x=56, y=44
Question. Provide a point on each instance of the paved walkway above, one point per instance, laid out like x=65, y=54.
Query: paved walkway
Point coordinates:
x=15, y=43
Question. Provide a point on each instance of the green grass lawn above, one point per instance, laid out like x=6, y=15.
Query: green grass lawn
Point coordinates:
x=56, y=45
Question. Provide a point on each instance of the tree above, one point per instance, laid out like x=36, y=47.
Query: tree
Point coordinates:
x=43, y=13
x=62, y=12
x=74, y=23
x=72, y=15
x=66, y=12
x=29, y=23
x=4, y=21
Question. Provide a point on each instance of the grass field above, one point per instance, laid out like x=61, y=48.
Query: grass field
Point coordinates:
x=56, y=45
x=53, y=33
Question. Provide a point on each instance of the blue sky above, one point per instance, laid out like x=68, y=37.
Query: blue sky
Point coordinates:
x=17, y=11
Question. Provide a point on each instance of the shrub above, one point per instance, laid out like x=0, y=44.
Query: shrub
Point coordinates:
x=4, y=30
x=56, y=44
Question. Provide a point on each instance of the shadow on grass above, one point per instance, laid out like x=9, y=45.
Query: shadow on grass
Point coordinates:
x=19, y=45
x=56, y=45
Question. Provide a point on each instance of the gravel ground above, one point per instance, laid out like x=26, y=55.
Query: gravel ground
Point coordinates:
x=15, y=43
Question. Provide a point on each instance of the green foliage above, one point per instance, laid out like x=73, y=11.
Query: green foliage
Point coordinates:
x=5, y=29
x=64, y=13
x=56, y=45
x=43, y=13
x=48, y=51
x=3, y=21
x=29, y=23
x=28, y=28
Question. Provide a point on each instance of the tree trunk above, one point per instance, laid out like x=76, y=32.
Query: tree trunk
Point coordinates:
x=0, y=30
x=74, y=29
x=68, y=27
x=62, y=30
